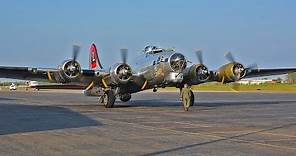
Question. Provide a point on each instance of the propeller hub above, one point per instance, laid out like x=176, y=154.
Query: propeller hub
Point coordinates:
x=121, y=73
x=71, y=69
x=202, y=73
x=238, y=70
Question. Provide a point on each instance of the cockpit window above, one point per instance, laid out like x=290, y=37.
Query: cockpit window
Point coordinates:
x=148, y=48
x=152, y=49
x=157, y=51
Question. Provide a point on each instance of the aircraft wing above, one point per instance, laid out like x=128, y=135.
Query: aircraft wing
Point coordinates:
x=250, y=73
x=43, y=74
x=26, y=73
x=268, y=72
x=60, y=86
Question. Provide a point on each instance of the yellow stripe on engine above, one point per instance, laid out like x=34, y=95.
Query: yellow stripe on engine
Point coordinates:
x=223, y=79
x=144, y=85
x=49, y=76
x=90, y=85
x=104, y=83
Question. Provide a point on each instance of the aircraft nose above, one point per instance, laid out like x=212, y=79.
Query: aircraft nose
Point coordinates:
x=178, y=62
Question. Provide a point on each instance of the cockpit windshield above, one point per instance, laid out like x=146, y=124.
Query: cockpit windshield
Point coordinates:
x=152, y=50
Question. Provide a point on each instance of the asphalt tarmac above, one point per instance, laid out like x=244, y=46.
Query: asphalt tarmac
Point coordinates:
x=61, y=124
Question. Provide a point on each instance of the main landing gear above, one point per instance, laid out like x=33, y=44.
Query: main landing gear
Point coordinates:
x=125, y=97
x=109, y=97
x=187, y=97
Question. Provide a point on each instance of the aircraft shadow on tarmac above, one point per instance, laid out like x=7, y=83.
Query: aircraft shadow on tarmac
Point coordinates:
x=16, y=118
x=177, y=103
x=5, y=99
x=221, y=139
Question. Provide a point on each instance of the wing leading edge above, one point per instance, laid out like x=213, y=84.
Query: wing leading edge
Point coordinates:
x=269, y=72
x=49, y=75
x=27, y=73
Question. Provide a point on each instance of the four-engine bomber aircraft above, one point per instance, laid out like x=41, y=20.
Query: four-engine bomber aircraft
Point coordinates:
x=156, y=68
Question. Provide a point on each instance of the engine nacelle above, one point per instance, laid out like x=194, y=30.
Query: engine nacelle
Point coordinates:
x=120, y=73
x=231, y=72
x=70, y=70
x=197, y=73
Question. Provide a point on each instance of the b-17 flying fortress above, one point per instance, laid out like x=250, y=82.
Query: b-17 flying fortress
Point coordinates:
x=157, y=68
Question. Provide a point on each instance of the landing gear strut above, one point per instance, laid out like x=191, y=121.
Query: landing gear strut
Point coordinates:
x=187, y=97
x=108, y=99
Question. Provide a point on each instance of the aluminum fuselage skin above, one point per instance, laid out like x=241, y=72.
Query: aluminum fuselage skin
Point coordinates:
x=156, y=70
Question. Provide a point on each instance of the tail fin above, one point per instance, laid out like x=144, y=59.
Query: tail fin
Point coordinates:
x=94, y=61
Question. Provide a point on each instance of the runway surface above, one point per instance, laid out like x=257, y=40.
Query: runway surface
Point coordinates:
x=60, y=124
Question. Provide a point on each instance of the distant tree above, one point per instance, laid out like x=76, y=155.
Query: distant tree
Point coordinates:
x=292, y=78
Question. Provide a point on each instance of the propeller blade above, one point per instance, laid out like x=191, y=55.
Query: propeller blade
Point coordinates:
x=199, y=56
x=76, y=49
x=229, y=57
x=124, y=53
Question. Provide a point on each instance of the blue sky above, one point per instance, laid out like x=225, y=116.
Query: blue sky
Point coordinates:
x=40, y=33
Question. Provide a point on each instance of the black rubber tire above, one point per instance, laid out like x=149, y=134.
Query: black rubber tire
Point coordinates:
x=125, y=98
x=192, y=98
x=109, y=99
x=101, y=99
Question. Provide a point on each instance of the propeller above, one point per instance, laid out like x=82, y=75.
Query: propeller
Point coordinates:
x=236, y=86
x=198, y=54
x=202, y=71
x=124, y=54
x=228, y=55
x=71, y=67
x=238, y=69
x=76, y=50
x=124, y=71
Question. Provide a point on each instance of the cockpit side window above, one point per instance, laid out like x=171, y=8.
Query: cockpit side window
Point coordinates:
x=153, y=50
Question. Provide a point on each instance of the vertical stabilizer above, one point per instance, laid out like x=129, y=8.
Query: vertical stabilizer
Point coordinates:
x=94, y=61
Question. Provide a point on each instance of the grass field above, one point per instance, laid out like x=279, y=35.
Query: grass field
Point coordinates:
x=240, y=88
x=237, y=87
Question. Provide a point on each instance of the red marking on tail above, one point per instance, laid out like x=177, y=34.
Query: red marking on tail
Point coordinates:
x=94, y=60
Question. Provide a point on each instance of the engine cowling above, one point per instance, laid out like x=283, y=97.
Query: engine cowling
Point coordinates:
x=231, y=72
x=197, y=73
x=70, y=70
x=120, y=73
x=177, y=62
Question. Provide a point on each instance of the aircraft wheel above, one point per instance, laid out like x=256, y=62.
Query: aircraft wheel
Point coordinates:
x=101, y=99
x=108, y=99
x=192, y=98
x=125, y=97
x=187, y=98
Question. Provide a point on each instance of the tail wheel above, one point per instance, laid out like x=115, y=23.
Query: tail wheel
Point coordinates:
x=108, y=99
